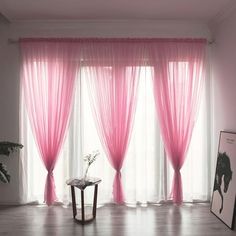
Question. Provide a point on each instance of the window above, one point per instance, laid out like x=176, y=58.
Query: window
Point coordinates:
x=147, y=176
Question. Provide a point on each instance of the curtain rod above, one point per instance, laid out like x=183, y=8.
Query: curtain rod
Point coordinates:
x=16, y=41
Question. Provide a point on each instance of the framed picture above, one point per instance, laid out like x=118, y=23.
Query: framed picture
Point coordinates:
x=224, y=190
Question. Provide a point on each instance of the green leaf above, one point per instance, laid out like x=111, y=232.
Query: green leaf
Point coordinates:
x=8, y=147
x=4, y=174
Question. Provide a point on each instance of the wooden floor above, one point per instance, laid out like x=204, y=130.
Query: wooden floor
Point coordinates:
x=113, y=220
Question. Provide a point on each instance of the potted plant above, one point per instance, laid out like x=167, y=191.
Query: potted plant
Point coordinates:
x=6, y=148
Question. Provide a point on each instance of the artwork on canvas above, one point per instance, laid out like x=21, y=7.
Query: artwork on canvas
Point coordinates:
x=224, y=190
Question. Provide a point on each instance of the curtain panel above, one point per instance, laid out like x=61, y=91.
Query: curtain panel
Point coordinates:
x=112, y=69
x=48, y=81
x=113, y=85
x=178, y=77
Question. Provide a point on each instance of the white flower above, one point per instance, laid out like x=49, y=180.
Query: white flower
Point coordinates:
x=91, y=157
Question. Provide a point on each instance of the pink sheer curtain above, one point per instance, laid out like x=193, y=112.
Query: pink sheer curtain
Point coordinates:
x=178, y=79
x=113, y=74
x=47, y=80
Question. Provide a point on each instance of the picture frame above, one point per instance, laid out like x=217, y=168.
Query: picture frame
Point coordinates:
x=224, y=189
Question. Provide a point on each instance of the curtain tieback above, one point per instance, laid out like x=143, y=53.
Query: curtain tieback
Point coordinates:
x=177, y=171
x=118, y=173
x=50, y=172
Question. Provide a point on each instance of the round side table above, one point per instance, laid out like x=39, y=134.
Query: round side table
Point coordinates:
x=81, y=184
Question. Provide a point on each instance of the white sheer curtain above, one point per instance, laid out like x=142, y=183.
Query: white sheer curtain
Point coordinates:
x=146, y=174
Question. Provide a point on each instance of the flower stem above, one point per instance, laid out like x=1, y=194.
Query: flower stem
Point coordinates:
x=86, y=172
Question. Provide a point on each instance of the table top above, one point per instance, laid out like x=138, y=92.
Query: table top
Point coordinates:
x=82, y=183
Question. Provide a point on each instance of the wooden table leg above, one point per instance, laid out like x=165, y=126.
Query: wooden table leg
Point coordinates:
x=95, y=200
x=73, y=201
x=82, y=206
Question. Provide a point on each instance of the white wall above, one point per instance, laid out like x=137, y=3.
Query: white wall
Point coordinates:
x=9, y=112
x=224, y=81
x=9, y=67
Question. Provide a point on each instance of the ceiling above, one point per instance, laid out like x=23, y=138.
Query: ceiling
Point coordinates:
x=202, y=10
